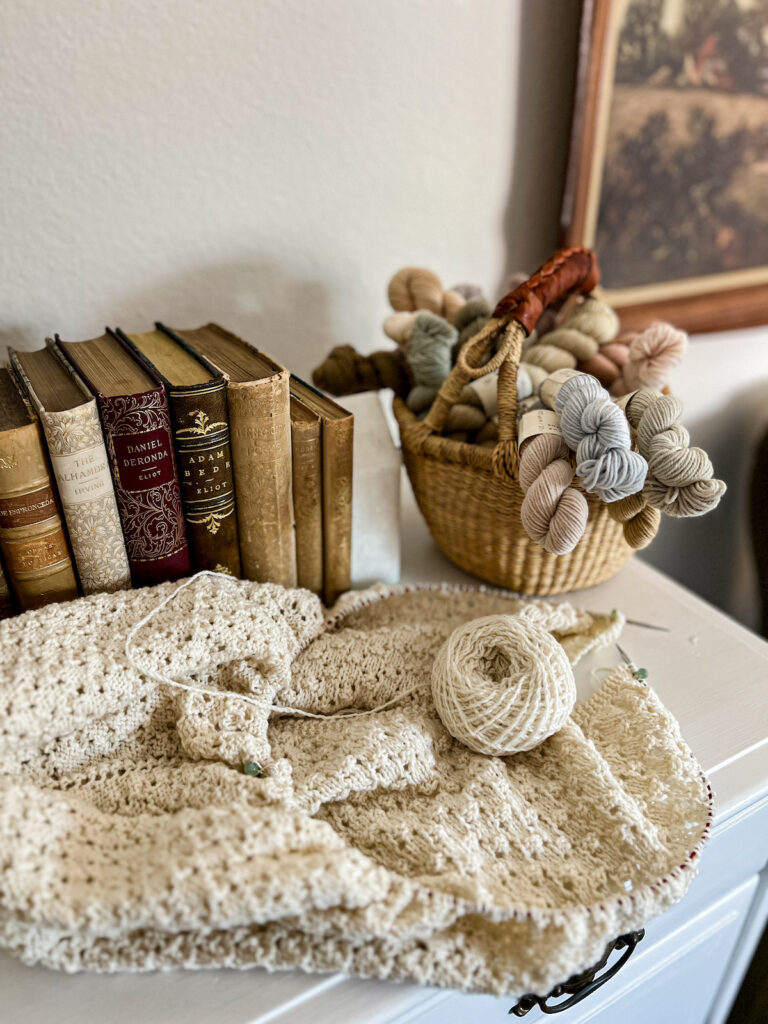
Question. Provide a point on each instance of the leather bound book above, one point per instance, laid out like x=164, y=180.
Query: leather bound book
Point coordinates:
x=337, y=434
x=307, y=449
x=32, y=538
x=260, y=427
x=197, y=396
x=137, y=430
x=70, y=421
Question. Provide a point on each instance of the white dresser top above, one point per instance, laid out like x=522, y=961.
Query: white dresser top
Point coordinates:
x=708, y=670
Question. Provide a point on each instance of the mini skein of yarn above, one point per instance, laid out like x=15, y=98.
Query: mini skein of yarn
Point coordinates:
x=680, y=479
x=345, y=371
x=502, y=684
x=469, y=321
x=578, y=339
x=468, y=291
x=651, y=357
x=416, y=288
x=429, y=356
x=398, y=326
x=598, y=432
x=553, y=512
x=608, y=363
x=640, y=521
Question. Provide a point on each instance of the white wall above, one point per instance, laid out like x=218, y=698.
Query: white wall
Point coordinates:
x=269, y=163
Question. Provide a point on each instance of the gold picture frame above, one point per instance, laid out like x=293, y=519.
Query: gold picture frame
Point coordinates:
x=668, y=169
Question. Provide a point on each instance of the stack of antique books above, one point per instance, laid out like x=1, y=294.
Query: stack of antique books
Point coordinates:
x=132, y=459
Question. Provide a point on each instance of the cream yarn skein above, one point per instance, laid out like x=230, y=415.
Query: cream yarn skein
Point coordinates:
x=502, y=685
x=681, y=479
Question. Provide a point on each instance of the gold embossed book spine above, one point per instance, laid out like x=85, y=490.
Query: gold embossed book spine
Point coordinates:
x=32, y=537
x=204, y=455
x=81, y=466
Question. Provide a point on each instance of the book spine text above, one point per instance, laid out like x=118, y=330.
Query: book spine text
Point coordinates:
x=204, y=454
x=137, y=430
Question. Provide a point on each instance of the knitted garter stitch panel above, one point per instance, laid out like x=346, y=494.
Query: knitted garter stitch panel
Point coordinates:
x=376, y=845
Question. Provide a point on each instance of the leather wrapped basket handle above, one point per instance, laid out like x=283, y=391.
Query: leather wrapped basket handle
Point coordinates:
x=515, y=316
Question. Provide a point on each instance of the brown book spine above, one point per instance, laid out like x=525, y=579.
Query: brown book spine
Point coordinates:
x=338, y=438
x=308, y=500
x=204, y=455
x=259, y=415
x=81, y=467
x=32, y=536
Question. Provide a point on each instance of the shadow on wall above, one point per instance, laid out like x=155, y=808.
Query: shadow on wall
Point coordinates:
x=548, y=34
x=713, y=555
x=258, y=300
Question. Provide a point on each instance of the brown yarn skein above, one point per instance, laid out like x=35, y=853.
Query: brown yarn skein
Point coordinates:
x=344, y=371
x=641, y=521
x=609, y=362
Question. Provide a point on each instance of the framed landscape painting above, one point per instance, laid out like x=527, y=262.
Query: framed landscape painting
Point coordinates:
x=668, y=171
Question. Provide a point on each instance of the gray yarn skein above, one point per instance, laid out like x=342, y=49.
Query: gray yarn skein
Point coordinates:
x=469, y=321
x=429, y=358
x=597, y=431
x=469, y=291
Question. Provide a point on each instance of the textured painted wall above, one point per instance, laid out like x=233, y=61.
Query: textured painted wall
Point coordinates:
x=269, y=164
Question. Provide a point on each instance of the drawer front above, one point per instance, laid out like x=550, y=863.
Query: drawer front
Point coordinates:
x=671, y=979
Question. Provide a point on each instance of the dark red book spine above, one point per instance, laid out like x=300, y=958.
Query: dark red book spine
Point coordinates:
x=139, y=440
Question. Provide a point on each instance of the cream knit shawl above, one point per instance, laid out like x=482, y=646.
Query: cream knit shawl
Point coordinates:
x=130, y=839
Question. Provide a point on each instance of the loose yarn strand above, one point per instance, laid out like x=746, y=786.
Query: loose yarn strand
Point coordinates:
x=231, y=695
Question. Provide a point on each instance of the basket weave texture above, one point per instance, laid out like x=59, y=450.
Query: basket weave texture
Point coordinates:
x=470, y=495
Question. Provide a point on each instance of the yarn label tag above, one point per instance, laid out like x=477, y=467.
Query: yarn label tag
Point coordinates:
x=538, y=421
x=550, y=388
x=486, y=389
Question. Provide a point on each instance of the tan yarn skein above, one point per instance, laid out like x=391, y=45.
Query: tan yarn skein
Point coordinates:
x=680, y=479
x=416, y=289
x=578, y=339
x=596, y=319
x=553, y=513
x=413, y=288
x=640, y=520
x=502, y=684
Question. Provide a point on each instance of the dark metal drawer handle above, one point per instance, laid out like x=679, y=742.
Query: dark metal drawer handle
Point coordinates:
x=579, y=986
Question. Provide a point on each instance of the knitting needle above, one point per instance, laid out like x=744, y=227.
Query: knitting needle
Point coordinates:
x=643, y=625
x=647, y=625
x=639, y=673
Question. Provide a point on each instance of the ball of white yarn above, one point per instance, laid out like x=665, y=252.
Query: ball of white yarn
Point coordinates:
x=502, y=684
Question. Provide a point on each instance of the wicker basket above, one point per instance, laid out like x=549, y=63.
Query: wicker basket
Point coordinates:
x=470, y=495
